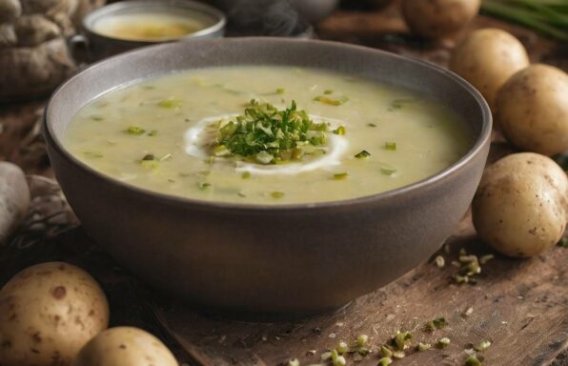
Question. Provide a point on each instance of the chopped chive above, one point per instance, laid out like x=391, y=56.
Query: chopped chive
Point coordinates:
x=246, y=175
x=92, y=154
x=437, y=323
x=472, y=360
x=135, y=130
x=423, y=346
x=401, y=340
x=399, y=103
x=342, y=348
x=148, y=157
x=203, y=185
x=390, y=146
x=482, y=346
x=362, y=340
x=340, y=176
x=387, y=169
x=277, y=195
x=363, y=154
x=97, y=118
x=443, y=342
x=339, y=131
x=371, y=125
x=328, y=92
x=385, y=361
x=266, y=135
x=280, y=91
x=153, y=133
x=397, y=355
x=170, y=103
x=384, y=351
x=293, y=362
x=331, y=101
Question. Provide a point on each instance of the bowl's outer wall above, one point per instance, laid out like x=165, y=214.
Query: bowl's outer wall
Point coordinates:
x=295, y=259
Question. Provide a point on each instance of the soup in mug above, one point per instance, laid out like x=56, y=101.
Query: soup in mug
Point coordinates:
x=266, y=135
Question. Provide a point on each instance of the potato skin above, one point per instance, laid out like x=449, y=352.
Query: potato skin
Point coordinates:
x=487, y=58
x=521, y=205
x=47, y=313
x=125, y=346
x=532, y=109
x=438, y=18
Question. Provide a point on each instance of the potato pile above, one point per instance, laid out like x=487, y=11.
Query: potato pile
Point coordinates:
x=521, y=206
x=52, y=312
x=33, y=53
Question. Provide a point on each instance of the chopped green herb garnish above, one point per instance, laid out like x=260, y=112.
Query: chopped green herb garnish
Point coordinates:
x=135, y=130
x=148, y=157
x=399, y=103
x=385, y=351
x=342, y=348
x=387, y=169
x=170, y=103
x=482, y=346
x=331, y=101
x=337, y=359
x=401, y=341
x=266, y=135
x=437, y=323
x=280, y=91
x=385, y=361
x=294, y=362
x=361, y=340
x=328, y=92
x=443, y=342
x=472, y=360
x=371, y=125
x=340, y=176
x=153, y=133
x=363, y=154
x=339, y=131
x=277, y=194
x=397, y=355
x=203, y=185
x=97, y=118
x=423, y=346
x=246, y=175
x=486, y=258
x=390, y=146
x=92, y=154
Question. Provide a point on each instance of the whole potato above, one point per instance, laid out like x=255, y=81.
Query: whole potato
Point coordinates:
x=14, y=198
x=438, y=18
x=125, y=346
x=47, y=313
x=520, y=207
x=532, y=109
x=487, y=58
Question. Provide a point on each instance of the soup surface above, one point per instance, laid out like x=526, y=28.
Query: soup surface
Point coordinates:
x=147, y=27
x=163, y=134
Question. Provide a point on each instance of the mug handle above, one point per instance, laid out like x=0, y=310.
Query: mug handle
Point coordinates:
x=79, y=47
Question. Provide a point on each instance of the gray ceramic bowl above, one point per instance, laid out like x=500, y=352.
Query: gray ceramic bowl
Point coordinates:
x=291, y=259
x=91, y=45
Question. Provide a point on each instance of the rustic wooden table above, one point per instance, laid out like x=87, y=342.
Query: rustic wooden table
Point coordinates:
x=520, y=306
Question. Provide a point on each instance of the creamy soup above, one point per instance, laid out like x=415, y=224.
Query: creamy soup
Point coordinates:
x=147, y=27
x=269, y=135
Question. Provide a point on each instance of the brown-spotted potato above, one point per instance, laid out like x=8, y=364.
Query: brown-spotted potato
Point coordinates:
x=521, y=205
x=125, y=346
x=47, y=313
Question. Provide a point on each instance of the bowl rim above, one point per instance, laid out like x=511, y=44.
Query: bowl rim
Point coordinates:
x=478, y=145
x=219, y=18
